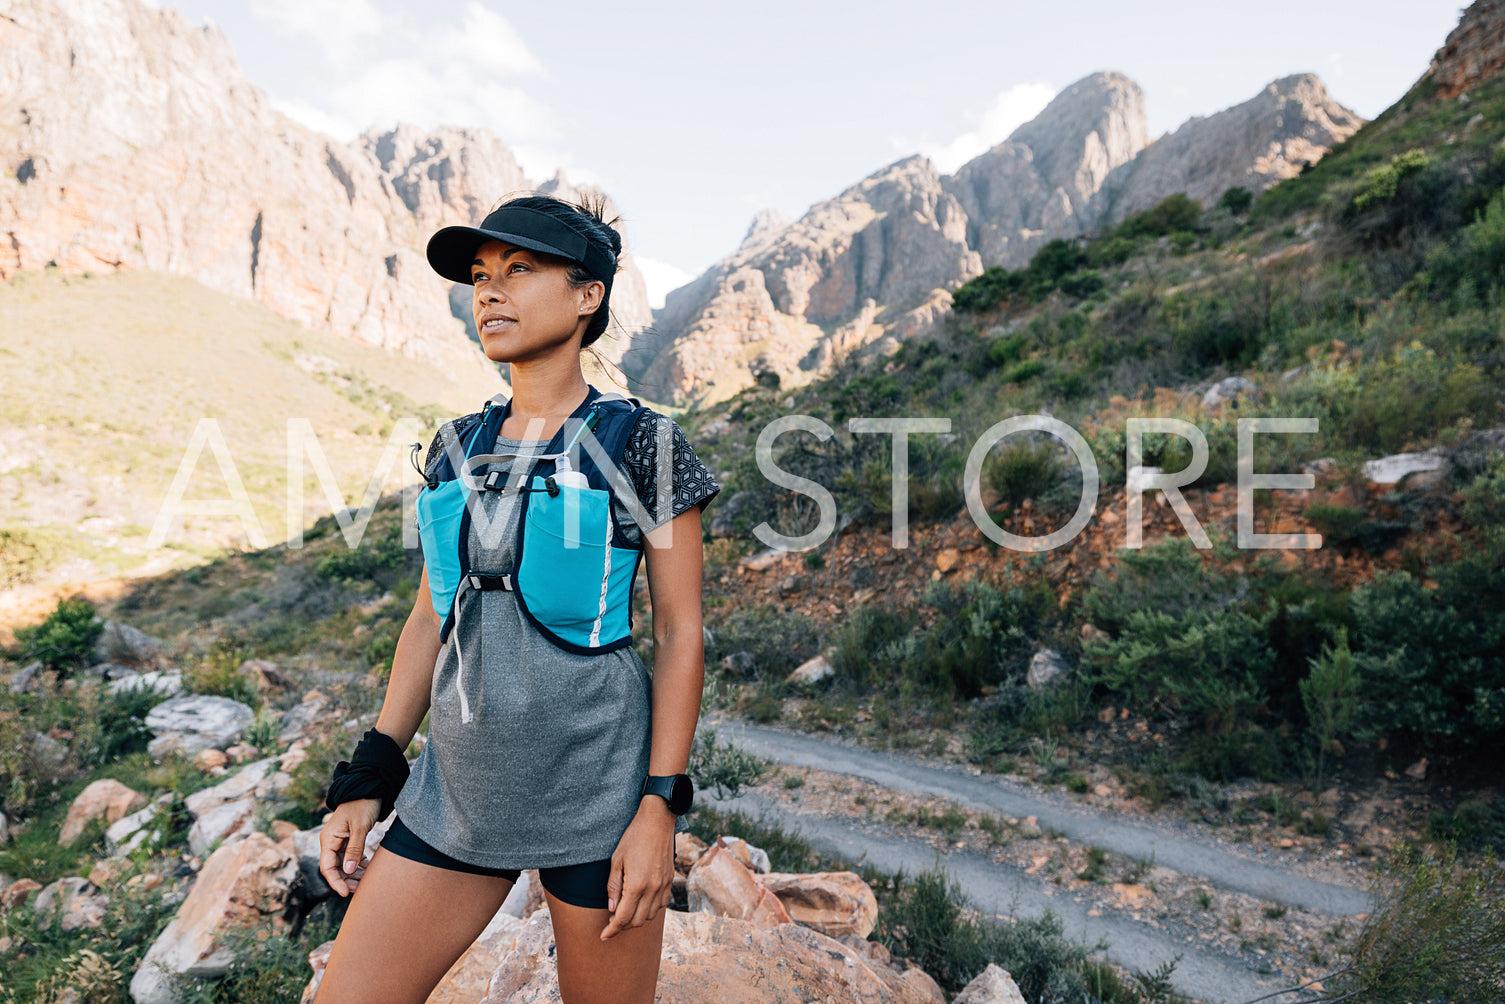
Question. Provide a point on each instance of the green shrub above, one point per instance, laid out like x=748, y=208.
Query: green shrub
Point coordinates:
x=1437, y=932
x=1237, y=200
x=268, y=967
x=870, y=629
x=724, y=769
x=1380, y=184
x=65, y=640
x=217, y=672
x=1023, y=470
x=777, y=641
x=1473, y=264
x=1172, y=214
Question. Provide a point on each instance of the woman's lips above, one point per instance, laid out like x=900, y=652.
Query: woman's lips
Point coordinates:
x=496, y=323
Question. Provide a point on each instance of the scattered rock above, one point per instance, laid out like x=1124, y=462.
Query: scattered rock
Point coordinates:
x=218, y=823
x=298, y=721
x=193, y=722
x=73, y=898
x=811, y=671
x=1047, y=669
x=131, y=831
x=20, y=680
x=834, y=903
x=107, y=798
x=146, y=881
x=108, y=871
x=245, y=781
x=168, y=683
x=687, y=850
x=122, y=643
x=17, y=892
x=267, y=676
x=245, y=882
x=711, y=958
x=294, y=755
x=724, y=519
x=947, y=559
x=241, y=753
x=763, y=560
x=1390, y=470
x=48, y=752
x=1228, y=391
x=1418, y=770
x=210, y=758
x=754, y=859
x=720, y=884
x=991, y=986
x=740, y=662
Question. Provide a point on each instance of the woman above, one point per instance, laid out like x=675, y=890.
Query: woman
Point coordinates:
x=539, y=750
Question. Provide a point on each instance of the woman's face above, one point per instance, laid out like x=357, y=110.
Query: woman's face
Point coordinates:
x=524, y=306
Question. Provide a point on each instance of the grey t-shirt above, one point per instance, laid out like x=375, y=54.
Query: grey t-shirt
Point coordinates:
x=547, y=771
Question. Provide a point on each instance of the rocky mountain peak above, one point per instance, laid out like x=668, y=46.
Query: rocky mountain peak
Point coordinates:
x=130, y=139
x=766, y=225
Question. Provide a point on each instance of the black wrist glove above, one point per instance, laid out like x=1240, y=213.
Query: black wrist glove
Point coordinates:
x=377, y=769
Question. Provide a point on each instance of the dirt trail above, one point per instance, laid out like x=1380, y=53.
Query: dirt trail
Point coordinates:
x=1189, y=855
x=1202, y=973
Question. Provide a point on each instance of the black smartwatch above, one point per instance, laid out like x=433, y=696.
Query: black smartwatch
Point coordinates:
x=676, y=789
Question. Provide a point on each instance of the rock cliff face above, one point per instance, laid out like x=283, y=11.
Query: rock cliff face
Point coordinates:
x=1474, y=51
x=1292, y=122
x=876, y=265
x=1039, y=183
x=130, y=140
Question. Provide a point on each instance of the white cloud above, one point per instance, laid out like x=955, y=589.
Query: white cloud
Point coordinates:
x=1008, y=111
x=317, y=119
x=338, y=27
x=489, y=42
x=408, y=67
x=661, y=278
x=1335, y=66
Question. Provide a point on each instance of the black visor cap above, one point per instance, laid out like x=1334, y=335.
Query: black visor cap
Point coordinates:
x=451, y=250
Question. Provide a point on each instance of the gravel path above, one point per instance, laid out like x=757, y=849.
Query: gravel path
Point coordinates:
x=1189, y=855
x=1202, y=973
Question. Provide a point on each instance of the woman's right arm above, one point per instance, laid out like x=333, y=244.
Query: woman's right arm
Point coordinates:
x=343, y=838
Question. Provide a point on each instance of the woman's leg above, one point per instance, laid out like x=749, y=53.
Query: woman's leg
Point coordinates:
x=406, y=925
x=623, y=970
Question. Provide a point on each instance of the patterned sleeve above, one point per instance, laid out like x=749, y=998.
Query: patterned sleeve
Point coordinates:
x=447, y=433
x=693, y=483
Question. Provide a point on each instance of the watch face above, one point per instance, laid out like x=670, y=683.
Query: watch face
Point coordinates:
x=682, y=795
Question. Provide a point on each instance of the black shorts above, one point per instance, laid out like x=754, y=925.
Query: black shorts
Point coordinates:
x=579, y=885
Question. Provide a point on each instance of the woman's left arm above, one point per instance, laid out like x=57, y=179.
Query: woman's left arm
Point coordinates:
x=642, y=869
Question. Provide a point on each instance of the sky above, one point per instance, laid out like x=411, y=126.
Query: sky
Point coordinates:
x=695, y=116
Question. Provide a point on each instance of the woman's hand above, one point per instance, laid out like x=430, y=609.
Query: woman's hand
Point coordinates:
x=642, y=868
x=343, y=839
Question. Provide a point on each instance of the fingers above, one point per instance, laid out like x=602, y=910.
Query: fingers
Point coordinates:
x=614, y=883
x=331, y=842
x=341, y=845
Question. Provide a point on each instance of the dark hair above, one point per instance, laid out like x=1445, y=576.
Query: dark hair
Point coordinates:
x=587, y=217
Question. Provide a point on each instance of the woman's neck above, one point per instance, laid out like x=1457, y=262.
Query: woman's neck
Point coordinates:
x=546, y=389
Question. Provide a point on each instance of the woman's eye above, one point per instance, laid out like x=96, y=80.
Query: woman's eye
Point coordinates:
x=517, y=264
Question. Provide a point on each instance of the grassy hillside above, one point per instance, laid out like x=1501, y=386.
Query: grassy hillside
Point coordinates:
x=1366, y=293
x=104, y=379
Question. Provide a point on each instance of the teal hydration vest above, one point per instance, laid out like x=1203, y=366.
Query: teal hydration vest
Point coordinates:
x=572, y=569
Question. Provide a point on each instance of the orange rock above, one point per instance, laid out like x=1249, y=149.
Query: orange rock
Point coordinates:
x=947, y=559
x=107, y=798
x=722, y=885
x=687, y=850
x=834, y=903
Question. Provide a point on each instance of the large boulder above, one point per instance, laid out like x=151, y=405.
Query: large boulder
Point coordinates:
x=194, y=722
x=707, y=958
x=167, y=682
x=1047, y=669
x=834, y=903
x=105, y=798
x=244, y=883
x=124, y=644
x=722, y=885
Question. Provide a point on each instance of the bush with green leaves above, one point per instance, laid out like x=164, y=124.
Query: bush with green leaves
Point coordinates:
x=723, y=768
x=979, y=633
x=1437, y=932
x=65, y=640
x=777, y=641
